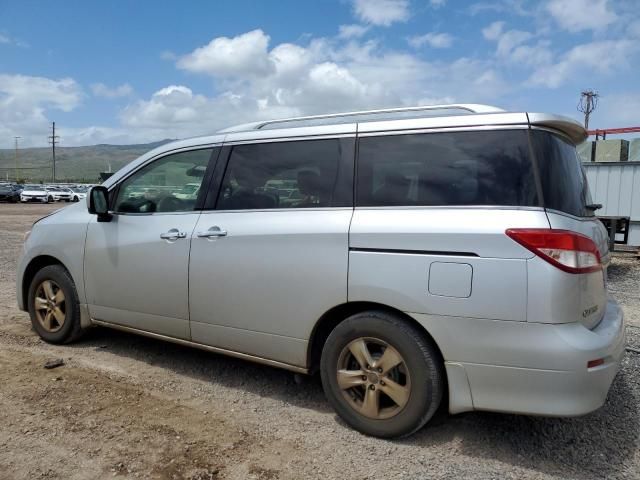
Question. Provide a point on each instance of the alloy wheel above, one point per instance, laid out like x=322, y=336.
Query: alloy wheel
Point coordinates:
x=373, y=378
x=50, y=306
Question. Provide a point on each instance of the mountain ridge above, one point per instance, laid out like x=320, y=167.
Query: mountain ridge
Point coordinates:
x=82, y=163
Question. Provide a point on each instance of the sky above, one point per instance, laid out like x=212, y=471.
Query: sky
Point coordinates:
x=123, y=72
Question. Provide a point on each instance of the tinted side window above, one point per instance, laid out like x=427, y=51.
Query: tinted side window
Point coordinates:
x=169, y=184
x=564, y=184
x=294, y=174
x=457, y=168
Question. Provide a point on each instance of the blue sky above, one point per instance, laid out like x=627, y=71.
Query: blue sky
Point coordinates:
x=129, y=72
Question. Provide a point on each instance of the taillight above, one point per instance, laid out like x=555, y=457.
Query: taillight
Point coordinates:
x=569, y=251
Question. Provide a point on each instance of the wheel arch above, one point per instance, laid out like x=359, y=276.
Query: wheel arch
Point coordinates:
x=325, y=325
x=35, y=265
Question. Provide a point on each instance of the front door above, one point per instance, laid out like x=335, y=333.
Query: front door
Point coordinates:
x=136, y=265
x=271, y=259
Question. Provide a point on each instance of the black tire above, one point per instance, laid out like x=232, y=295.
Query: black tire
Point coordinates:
x=71, y=329
x=49, y=199
x=422, y=360
x=75, y=199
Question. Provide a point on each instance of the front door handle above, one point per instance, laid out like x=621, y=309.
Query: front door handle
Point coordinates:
x=212, y=233
x=173, y=234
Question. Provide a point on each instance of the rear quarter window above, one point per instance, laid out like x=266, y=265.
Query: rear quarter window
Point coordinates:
x=564, y=183
x=444, y=169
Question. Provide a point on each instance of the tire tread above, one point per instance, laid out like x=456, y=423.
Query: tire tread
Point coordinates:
x=429, y=353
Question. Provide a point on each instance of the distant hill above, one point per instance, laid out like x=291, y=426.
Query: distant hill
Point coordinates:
x=72, y=163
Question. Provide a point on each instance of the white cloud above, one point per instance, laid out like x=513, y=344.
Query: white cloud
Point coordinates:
x=437, y=3
x=493, y=31
x=7, y=40
x=168, y=55
x=64, y=94
x=326, y=75
x=381, y=12
x=24, y=101
x=510, y=40
x=434, y=40
x=101, y=90
x=579, y=15
x=511, y=46
x=532, y=55
x=617, y=110
x=289, y=60
x=223, y=56
x=521, y=8
x=589, y=59
x=352, y=31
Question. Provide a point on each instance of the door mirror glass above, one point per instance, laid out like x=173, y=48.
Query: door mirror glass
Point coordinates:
x=98, y=202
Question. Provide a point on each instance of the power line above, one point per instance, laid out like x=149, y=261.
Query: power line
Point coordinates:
x=53, y=139
x=587, y=104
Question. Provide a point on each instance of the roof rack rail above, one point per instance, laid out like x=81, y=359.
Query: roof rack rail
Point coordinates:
x=465, y=107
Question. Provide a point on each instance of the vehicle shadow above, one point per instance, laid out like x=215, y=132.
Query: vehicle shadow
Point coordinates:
x=229, y=372
x=594, y=446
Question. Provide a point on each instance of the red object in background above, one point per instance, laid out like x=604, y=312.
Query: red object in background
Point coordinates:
x=612, y=131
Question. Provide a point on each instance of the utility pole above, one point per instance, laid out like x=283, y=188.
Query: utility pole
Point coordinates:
x=16, y=140
x=587, y=104
x=53, y=139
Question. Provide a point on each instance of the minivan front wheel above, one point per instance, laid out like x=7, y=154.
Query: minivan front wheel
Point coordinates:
x=53, y=305
x=381, y=374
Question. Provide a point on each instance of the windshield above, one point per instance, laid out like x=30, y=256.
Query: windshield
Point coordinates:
x=564, y=183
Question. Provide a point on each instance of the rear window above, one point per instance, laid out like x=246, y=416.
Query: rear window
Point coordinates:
x=452, y=168
x=564, y=183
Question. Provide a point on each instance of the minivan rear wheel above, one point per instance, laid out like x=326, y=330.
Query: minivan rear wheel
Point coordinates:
x=53, y=305
x=381, y=374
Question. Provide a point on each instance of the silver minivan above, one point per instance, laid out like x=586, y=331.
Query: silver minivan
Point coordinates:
x=420, y=259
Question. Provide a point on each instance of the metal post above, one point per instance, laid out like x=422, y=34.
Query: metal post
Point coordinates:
x=612, y=234
x=16, y=141
x=53, y=139
x=587, y=104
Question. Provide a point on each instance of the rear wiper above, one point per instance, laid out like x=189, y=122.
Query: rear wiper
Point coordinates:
x=593, y=206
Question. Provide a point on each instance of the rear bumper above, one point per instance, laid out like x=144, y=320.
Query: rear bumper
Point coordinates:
x=535, y=369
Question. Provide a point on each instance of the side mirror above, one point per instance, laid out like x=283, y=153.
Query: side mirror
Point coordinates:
x=98, y=203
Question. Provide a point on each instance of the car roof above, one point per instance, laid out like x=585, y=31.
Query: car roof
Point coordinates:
x=421, y=118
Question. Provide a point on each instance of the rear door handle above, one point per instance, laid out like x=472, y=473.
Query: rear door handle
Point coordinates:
x=173, y=234
x=212, y=233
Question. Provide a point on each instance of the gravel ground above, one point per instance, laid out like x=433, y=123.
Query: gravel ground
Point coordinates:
x=129, y=407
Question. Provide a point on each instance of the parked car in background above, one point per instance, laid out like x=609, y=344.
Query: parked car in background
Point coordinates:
x=79, y=193
x=188, y=192
x=63, y=194
x=10, y=192
x=36, y=193
x=58, y=194
x=442, y=255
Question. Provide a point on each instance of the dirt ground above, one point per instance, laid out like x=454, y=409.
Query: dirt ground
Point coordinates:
x=124, y=406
